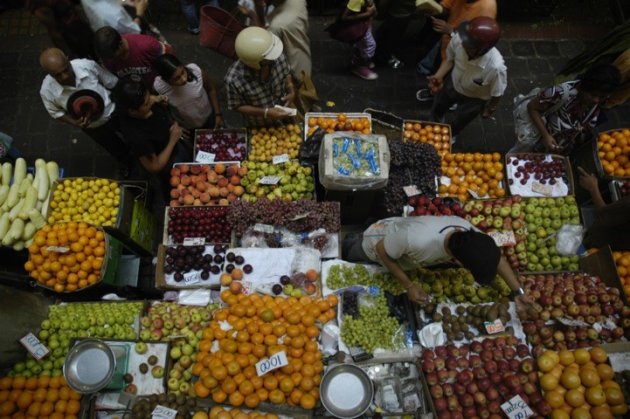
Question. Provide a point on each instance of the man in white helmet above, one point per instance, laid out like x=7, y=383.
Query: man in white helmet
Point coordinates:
x=260, y=79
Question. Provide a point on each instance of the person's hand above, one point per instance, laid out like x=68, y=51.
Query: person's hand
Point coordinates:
x=435, y=83
x=288, y=98
x=161, y=99
x=141, y=7
x=246, y=11
x=588, y=181
x=440, y=26
x=84, y=121
x=526, y=308
x=371, y=10
x=275, y=113
x=218, y=121
x=417, y=295
x=550, y=142
x=176, y=132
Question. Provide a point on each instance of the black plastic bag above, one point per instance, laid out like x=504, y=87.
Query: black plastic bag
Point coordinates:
x=309, y=150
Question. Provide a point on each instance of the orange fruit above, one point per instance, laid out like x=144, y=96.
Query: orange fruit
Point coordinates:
x=236, y=399
x=598, y=355
x=307, y=401
x=582, y=356
x=252, y=400
x=548, y=382
x=46, y=409
x=219, y=396
x=595, y=396
x=554, y=398
x=601, y=412
x=25, y=399
x=589, y=377
x=276, y=396
x=570, y=379
x=605, y=372
x=614, y=396
x=574, y=398
x=270, y=382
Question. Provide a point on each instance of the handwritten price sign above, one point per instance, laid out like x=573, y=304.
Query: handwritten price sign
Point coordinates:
x=494, y=327
x=162, y=412
x=194, y=241
x=34, y=346
x=204, y=157
x=275, y=361
x=280, y=158
x=516, y=408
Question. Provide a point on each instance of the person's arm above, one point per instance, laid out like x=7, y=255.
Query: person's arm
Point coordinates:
x=106, y=78
x=288, y=98
x=415, y=293
x=524, y=304
x=79, y=123
x=141, y=8
x=211, y=91
x=154, y=163
x=441, y=26
x=589, y=182
x=436, y=81
x=535, y=108
x=266, y=113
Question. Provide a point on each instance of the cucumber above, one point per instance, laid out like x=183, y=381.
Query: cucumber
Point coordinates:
x=19, y=174
x=7, y=170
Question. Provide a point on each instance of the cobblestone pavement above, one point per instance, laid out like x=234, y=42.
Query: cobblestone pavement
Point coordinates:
x=531, y=62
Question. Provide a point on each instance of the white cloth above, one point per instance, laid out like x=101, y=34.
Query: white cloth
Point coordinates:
x=88, y=75
x=190, y=102
x=289, y=22
x=102, y=13
x=412, y=241
x=481, y=78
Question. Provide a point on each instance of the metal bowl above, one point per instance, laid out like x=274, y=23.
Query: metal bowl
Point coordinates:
x=346, y=391
x=89, y=366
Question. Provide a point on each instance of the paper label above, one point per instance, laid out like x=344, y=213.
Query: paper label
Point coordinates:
x=411, y=190
x=162, y=412
x=516, y=408
x=299, y=217
x=204, y=157
x=269, y=180
x=275, y=361
x=263, y=228
x=445, y=180
x=280, y=158
x=503, y=238
x=542, y=189
x=191, y=278
x=494, y=327
x=194, y=241
x=248, y=287
x=58, y=249
x=34, y=346
x=473, y=194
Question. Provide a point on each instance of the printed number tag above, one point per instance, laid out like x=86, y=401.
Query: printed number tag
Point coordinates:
x=194, y=241
x=191, y=278
x=494, y=327
x=34, y=346
x=275, y=361
x=205, y=157
x=269, y=180
x=263, y=228
x=58, y=249
x=516, y=408
x=162, y=412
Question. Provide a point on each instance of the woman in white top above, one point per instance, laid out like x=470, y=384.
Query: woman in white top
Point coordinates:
x=191, y=93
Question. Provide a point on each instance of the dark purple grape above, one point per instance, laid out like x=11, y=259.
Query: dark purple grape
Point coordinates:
x=218, y=249
x=218, y=259
x=229, y=268
x=205, y=275
x=239, y=260
x=285, y=280
x=168, y=269
x=248, y=269
x=230, y=257
x=178, y=277
x=276, y=289
x=215, y=269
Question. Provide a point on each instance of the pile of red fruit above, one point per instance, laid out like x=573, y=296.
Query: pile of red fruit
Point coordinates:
x=206, y=184
x=474, y=380
x=624, y=187
x=423, y=205
x=541, y=167
x=208, y=222
x=225, y=145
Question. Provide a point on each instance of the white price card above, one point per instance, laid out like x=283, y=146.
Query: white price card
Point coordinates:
x=494, y=327
x=191, y=278
x=194, y=241
x=516, y=408
x=58, y=249
x=263, y=228
x=542, y=189
x=204, y=157
x=269, y=180
x=280, y=158
x=444, y=180
x=503, y=238
x=163, y=412
x=248, y=287
x=277, y=360
x=34, y=346
x=411, y=190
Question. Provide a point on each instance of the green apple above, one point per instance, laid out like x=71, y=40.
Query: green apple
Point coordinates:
x=141, y=348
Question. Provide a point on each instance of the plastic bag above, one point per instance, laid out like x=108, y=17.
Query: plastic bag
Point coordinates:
x=569, y=238
x=309, y=150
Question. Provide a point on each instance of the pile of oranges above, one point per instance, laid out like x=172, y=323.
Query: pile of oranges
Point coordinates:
x=261, y=326
x=219, y=412
x=66, y=257
x=622, y=260
x=477, y=172
x=580, y=384
x=50, y=397
x=613, y=149
x=438, y=135
x=339, y=122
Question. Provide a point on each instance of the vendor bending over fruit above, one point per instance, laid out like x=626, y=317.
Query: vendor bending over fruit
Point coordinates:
x=406, y=243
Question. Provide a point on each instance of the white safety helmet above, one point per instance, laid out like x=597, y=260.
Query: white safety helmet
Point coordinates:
x=255, y=44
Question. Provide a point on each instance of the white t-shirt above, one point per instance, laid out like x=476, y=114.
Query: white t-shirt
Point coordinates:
x=481, y=78
x=89, y=75
x=102, y=13
x=412, y=241
x=190, y=103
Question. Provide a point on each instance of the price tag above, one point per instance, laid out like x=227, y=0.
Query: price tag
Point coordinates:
x=411, y=190
x=474, y=194
x=58, y=249
x=516, y=408
x=194, y=241
x=494, y=327
x=162, y=412
x=275, y=361
x=248, y=287
x=280, y=158
x=191, y=278
x=542, y=189
x=34, y=346
x=263, y=228
x=269, y=180
x=503, y=238
x=204, y=157
x=445, y=180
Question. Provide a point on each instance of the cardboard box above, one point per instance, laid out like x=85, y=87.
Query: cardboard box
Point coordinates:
x=240, y=132
x=168, y=241
x=441, y=152
x=601, y=263
x=567, y=168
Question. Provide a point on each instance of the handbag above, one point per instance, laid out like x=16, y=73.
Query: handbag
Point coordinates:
x=348, y=31
x=306, y=95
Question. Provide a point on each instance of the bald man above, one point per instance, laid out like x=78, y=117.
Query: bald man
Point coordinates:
x=66, y=77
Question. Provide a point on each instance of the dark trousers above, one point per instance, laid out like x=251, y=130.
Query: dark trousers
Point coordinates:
x=467, y=107
x=389, y=35
x=109, y=137
x=352, y=249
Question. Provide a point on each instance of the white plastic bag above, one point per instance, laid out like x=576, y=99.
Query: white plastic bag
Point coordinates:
x=569, y=238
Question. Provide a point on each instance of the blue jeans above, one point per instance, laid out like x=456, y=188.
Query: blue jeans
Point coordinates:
x=427, y=65
x=191, y=12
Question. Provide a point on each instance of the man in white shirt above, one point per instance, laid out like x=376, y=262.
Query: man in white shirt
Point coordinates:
x=403, y=244
x=479, y=76
x=66, y=77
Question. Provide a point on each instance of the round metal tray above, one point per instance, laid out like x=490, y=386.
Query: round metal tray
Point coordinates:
x=89, y=366
x=346, y=391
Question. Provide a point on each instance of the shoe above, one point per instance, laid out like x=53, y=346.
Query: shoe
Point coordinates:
x=365, y=73
x=371, y=65
x=424, y=95
x=453, y=107
x=194, y=31
x=394, y=62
